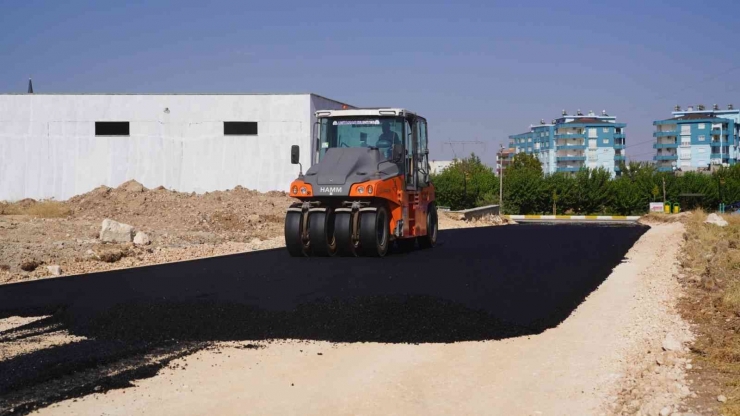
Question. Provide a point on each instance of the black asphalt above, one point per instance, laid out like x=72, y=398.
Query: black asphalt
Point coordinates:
x=477, y=284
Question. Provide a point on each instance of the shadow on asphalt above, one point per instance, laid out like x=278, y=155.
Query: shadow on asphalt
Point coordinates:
x=478, y=284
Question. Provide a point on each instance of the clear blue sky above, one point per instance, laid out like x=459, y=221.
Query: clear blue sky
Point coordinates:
x=476, y=70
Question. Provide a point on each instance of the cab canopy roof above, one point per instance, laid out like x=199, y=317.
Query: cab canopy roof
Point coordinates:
x=372, y=112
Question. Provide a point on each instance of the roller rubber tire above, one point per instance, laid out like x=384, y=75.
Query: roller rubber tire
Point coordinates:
x=374, y=232
x=343, y=234
x=321, y=233
x=430, y=239
x=293, y=241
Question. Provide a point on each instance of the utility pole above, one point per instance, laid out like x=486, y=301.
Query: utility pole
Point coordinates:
x=501, y=180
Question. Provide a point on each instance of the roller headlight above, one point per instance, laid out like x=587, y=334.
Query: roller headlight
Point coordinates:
x=369, y=189
x=295, y=189
x=303, y=190
x=360, y=189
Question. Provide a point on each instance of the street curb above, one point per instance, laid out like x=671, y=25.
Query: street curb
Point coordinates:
x=574, y=218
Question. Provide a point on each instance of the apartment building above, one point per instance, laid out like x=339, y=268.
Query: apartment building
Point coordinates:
x=696, y=138
x=503, y=159
x=574, y=142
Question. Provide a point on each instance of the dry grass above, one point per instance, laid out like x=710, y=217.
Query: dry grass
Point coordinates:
x=712, y=257
x=660, y=218
x=713, y=253
x=40, y=209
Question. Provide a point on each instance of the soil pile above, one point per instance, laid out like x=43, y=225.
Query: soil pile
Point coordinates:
x=180, y=225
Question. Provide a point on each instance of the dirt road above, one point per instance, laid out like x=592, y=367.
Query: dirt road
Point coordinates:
x=578, y=368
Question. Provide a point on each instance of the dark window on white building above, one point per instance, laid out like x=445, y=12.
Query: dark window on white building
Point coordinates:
x=111, y=128
x=240, y=128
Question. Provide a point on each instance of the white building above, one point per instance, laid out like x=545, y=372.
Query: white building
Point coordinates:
x=437, y=166
x=63, y=145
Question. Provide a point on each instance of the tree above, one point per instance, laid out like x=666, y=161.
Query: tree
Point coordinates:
x=593, y=190
x=524, y=191
x=562, y=185
x=626, y=197
x=466, y=183
x=524, y=161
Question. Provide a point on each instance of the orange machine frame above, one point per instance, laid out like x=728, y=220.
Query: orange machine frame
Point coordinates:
x=394, y=194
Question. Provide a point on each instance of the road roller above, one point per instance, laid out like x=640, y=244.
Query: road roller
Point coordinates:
x=368, y=187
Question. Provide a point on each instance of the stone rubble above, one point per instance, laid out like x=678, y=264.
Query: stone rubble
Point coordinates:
x=716, y=220
x=55, y=270
x=115, y=232
x=142, y=239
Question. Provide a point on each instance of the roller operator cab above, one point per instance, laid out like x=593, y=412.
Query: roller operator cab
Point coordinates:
x=368, y=186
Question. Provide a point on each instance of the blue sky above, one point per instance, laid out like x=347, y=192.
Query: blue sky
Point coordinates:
x=477, y=70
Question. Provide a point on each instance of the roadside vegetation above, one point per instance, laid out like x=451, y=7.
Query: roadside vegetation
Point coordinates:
x=468, y=183
x=712, y=262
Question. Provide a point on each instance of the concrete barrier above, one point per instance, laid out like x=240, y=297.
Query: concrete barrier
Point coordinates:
x=475, y=213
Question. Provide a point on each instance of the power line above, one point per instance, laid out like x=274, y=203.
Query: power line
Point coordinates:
x=638, y=143
x=452, y=143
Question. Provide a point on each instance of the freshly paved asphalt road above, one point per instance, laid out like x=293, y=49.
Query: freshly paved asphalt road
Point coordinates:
x=478, y=284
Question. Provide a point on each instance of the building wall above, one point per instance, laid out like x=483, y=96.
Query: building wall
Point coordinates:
x=437, y=166
x=538, y=142
x=696, y=143
x=601, y=141
x=48, y=147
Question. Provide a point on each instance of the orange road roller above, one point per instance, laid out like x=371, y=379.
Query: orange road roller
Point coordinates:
x=367, y=188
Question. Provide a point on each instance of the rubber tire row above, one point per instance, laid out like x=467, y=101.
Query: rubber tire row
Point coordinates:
x=330, y=234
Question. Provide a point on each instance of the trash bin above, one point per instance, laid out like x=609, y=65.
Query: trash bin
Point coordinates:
x=676, y=208
x=667, y=207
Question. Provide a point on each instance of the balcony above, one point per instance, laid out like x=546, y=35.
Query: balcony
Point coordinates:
x=570, y=158
x=665, y=169
x=715, y=132
x=572, y=147
x=568, y=169
x=665, y=145
x=665, y=133
x=620, y=157
x=618, y=136
x=665, y=157
x=720, y=155
x=571, y=136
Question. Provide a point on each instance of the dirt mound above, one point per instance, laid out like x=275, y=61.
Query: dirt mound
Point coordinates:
x=180, y=225
x=131, y=186
x=240, y=209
